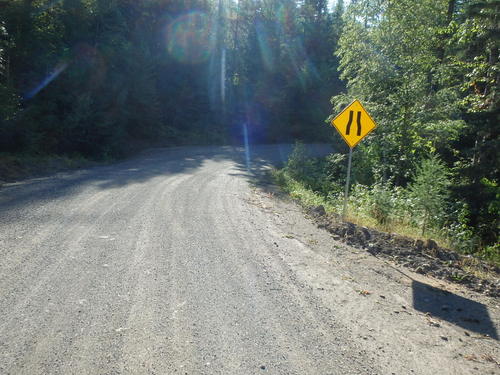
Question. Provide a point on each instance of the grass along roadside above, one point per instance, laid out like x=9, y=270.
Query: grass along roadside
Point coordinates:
x=356, y=214
x=425, y=206
x=401, y=241
x=360, y=211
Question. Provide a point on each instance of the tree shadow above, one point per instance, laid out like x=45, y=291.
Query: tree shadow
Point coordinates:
x=463, y=312
x=149, y=164
x=146, y=166
x=263, y=157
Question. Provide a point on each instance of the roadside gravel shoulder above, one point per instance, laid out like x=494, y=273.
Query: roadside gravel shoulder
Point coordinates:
x=408, y=322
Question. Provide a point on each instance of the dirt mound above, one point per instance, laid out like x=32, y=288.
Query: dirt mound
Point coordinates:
x=424, y=257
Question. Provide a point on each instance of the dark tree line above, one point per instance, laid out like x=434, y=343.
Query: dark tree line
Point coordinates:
x=99, y=78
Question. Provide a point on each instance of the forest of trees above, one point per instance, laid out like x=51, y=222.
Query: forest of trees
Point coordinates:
x=102, y=78
x=93, y=77
x=429, y=73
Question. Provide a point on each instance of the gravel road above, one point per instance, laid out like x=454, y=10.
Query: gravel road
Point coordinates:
x=174, y=262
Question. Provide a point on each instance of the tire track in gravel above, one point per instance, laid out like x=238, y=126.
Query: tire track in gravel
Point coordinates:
x=235, y=319
x=74, y=269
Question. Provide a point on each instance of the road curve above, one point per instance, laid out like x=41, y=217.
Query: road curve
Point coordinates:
x=174, y=262
x=157, y=265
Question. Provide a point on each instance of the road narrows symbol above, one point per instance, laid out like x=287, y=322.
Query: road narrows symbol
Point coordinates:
x=349, y=123
x=354, y=115
x=358, y=122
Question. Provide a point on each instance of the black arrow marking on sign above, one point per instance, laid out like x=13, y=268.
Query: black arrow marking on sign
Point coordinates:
x=349, y=123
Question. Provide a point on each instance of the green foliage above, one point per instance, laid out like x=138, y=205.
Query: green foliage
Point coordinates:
x=430, y=192
x=91, y=77
x=425, y=204
x=491, y=253
x=382, y=203
x=428, y=72
x=299, y=163
x=322, y=175
x=388, y=55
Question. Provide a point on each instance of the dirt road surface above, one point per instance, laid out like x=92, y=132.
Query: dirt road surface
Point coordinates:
x=175, y=262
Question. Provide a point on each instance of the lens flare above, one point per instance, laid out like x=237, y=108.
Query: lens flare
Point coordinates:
x=265, y=49
x=50, y=77
x=247, y=146
x=297, y=56
x=301, y=66
x=223, y=77
x=285, y=18
x=188, y=38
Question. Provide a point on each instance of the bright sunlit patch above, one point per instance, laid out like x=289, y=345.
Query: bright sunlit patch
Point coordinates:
x=188, y=38
x=53, y=75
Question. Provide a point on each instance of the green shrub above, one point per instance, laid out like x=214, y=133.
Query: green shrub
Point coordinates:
x=430, y=191
x=381, y=202
x=298, y=162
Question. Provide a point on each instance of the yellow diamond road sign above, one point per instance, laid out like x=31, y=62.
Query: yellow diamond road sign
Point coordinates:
x=354, y=123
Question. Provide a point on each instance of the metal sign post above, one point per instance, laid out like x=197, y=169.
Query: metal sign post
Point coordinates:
x=346, y=193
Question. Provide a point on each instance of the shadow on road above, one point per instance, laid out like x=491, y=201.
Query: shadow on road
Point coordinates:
x=146, y=166
x=150, y=164
x=262, y=157
x=463, y=312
